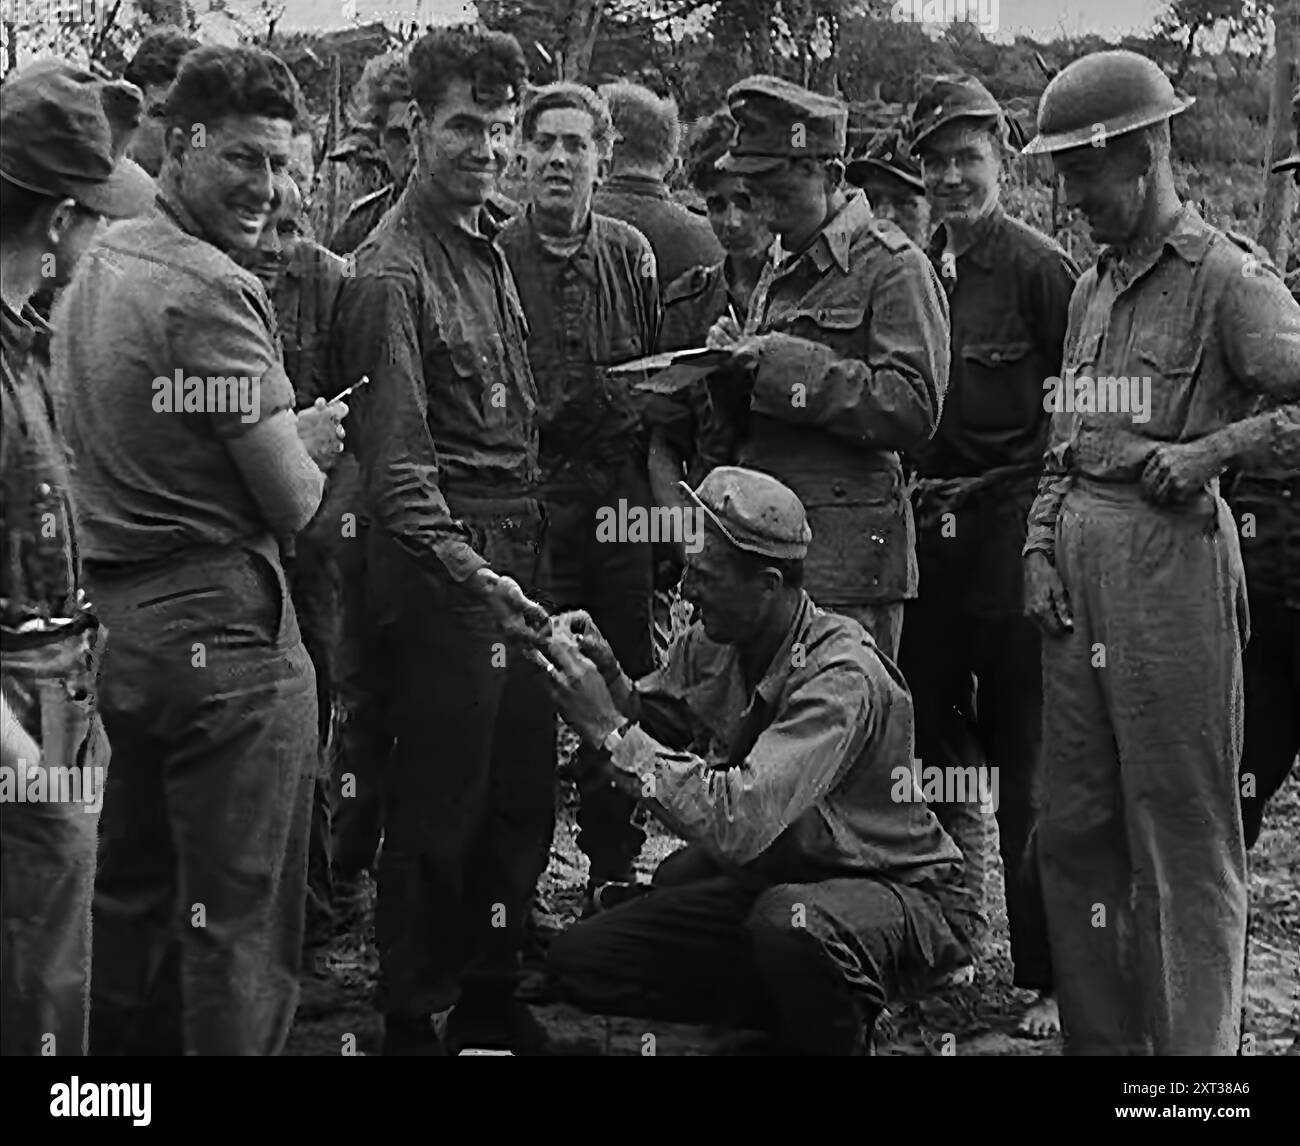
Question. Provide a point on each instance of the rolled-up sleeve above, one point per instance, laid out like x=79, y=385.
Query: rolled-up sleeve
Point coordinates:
x=378, y=327
x=887, y=397
x=737, y=813
x=1259, y=322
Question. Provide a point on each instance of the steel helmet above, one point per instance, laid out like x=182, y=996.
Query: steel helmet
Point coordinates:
x=1100, y=96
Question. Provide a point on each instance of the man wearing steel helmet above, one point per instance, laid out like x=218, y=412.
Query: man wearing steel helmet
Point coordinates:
x=777, y=741
x=1133, y=570
x=62, y=134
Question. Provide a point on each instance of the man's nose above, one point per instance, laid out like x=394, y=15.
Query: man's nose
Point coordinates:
x=951, y=172
x=262, y=181
x=690, y=586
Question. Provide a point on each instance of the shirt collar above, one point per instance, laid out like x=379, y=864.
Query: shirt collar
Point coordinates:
x=782, y=664
x=1188, y=236
x=422, y=199
x=831, y=245
x=647, y=186
x=982, y=250
x=583, y=260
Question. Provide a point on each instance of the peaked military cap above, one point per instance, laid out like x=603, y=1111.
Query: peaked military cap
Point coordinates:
x=63, y=133
x=949, y=98
x=887, y=154
x=777, y=120
x=753, y=511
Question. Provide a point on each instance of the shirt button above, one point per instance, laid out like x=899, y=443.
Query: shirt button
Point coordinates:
x=44, y=489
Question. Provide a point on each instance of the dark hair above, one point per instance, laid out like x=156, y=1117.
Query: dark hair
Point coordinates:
x=568, y=95
x=750, y=565
x=706, y=143
x=216, y=82
x=490, y=61
x=159, y=56
x=20, y=206
x=648, y=128
x=384, y=81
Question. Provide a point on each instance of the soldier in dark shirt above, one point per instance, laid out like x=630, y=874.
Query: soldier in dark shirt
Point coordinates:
x=591, y=297
x=446, y=436
x=1265, y=498
x=61, y=135
x=636, y=192
x=1008, y=294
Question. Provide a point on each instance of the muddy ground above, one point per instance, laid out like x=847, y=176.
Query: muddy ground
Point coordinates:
x=336, y=1015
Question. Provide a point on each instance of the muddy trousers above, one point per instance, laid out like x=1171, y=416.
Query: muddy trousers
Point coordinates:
x=1142, y=858
x=314, y=587
x=364, y=738
x=210, y=702
x=469, y=790
x=814, y=962
x=999, y=726
x=1272, y=674
x=48, y=836
x=614, y=581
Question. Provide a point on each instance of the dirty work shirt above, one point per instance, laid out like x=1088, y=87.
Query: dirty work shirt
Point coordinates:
x=152, y=298
x=799, y=778
x=1141, y=749
x=433, y=317
x=1210, y=334
x=680, y=238
x=852, y=364
x=595, y=308
x=1008, y=296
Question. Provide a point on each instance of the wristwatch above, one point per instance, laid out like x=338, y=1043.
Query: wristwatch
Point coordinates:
x=615, y=738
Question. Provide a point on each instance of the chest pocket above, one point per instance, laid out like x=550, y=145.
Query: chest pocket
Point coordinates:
x=997, y=389
x=1164, y=361
x=835, y=326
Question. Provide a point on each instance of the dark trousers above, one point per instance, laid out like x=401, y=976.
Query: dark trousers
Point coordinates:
x=469, y=806
x=209, y=701
x=1271, y=668
x=47, y=845
x=614, y=582
x=363, y=675
x=314, y=586
x=974, y=665
x=815, y=962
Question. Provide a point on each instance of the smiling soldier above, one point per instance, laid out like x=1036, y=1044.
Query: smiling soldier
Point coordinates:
x=209, y=696
x=1008, y=294
x=447, y=442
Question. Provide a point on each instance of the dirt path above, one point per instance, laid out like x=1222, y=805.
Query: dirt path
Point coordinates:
x=336, y=1016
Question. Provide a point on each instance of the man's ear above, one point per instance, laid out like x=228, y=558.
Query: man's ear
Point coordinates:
x=176, y=142
x=60, y=219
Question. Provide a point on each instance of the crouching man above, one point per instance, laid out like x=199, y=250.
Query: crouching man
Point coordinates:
x=806, y=895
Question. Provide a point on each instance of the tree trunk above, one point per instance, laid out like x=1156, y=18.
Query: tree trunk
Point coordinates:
x=1280, y=190
x=580, y=28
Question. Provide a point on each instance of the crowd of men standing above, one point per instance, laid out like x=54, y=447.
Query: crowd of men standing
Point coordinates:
x=277, y=642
